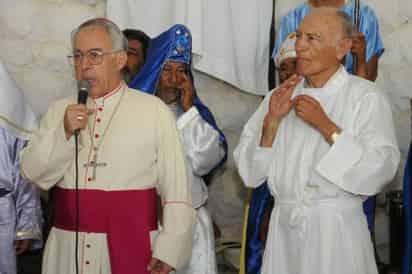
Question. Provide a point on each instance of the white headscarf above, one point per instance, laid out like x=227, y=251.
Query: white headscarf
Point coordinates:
x=16, y=115
x=287, y=50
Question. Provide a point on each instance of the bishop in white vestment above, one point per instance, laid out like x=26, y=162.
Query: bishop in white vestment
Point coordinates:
x=129, y=150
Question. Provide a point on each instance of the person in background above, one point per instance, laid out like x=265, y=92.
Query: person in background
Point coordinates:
x=168, y=75
x=20, y=211
x=367, y=43
x=137, y=45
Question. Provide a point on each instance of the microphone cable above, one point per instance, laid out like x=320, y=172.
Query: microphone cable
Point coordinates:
x=77, y=211
x=83, y=87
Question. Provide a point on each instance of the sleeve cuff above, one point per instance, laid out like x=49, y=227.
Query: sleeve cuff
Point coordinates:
x=35, y=237
x=262, y=154
x=22, y=235
x=186, y=117
x=342, y=156
x=175, y=247
x=262, y=162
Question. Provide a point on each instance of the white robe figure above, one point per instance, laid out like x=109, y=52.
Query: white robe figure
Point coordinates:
x=20, y=211
x=204, y=146
x=203, y=151
x=317, y=225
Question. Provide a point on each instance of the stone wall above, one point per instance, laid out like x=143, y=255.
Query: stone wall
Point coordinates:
x=35, y=40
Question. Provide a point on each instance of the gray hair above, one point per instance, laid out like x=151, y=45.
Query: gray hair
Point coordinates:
x=119, y=41
x=348, y=29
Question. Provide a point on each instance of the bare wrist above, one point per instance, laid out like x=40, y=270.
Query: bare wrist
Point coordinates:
x=269, y=129
x=328, y=130
x=332, y=133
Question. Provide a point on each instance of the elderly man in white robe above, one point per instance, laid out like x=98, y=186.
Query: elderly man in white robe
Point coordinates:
x=129, y=149
x=324, y=143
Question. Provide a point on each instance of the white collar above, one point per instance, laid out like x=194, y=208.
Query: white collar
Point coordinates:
x=100, y=101
x=332, y=86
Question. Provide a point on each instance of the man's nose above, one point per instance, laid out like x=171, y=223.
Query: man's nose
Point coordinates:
x=173, y=78
x=300, y=44
x=84, y=63
x=82, y=67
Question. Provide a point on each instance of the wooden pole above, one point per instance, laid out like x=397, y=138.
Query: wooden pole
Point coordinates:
x=356, y=24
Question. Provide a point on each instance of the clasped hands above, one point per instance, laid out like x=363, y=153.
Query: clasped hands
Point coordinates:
x=306, y=108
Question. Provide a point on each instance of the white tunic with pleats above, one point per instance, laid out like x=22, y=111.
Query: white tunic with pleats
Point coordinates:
x=317, y=225
x=203, y=151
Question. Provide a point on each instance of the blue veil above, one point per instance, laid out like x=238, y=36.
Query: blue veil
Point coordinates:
x=175, y=44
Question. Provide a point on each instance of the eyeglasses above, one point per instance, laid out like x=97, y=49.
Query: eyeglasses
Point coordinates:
x=94, y=57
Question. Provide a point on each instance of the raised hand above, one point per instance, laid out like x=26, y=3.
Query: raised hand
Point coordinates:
x=311, y=112
x=359, y=46
x=75, y=118
x=279, y=106
x=186, y=87
x=280, y=102
x=359, y=50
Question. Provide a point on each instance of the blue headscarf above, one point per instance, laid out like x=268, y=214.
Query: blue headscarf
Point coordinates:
x=174, y=44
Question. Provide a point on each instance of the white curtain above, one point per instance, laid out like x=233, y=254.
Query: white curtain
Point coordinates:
x=230, y=37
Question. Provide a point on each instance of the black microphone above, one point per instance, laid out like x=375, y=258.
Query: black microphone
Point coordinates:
x=83, y=86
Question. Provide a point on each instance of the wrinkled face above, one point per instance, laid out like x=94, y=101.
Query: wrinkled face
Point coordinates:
x=170, y=79
x=105, y=76
x=135, y=56
x=287, y=68
x=316, y=45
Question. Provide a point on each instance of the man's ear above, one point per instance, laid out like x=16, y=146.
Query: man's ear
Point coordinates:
x=121, y=60
x=343, y=47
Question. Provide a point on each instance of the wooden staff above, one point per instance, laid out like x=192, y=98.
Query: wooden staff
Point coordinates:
x=356, y=24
